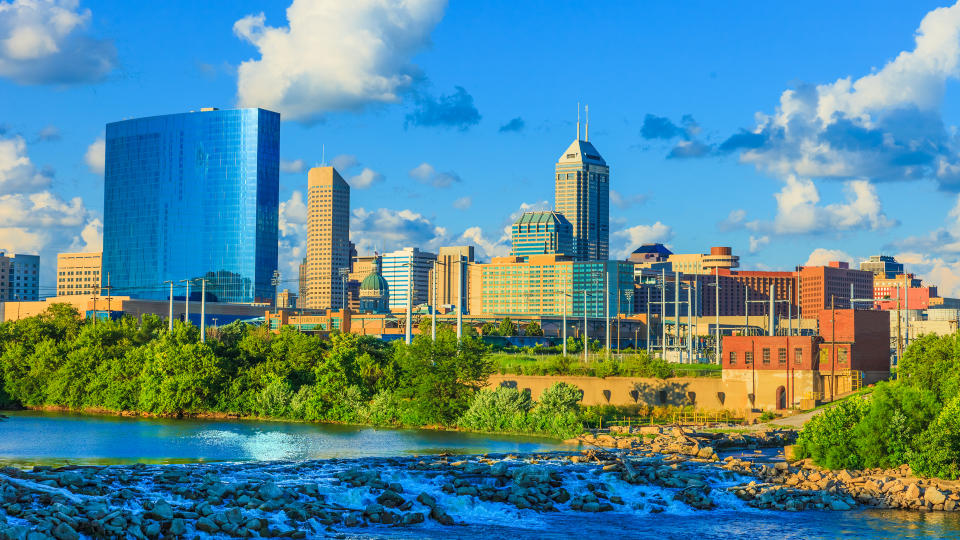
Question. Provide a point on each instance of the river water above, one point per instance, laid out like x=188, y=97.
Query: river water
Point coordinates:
x=28, y=438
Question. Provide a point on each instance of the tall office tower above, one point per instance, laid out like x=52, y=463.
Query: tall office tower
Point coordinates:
x=328, y=238
x=541, y=233
x=408, y=269
x=79, y=274
x=451, y=262
x=19, y=277
x=882, y=266
x=583, y=197
x=193, y=196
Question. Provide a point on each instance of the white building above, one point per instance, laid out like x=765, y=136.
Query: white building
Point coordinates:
x=397, y=268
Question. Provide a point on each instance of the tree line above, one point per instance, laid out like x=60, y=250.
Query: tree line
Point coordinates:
x=130, y=365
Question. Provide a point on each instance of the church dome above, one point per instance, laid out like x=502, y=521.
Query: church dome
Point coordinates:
x=373, y=285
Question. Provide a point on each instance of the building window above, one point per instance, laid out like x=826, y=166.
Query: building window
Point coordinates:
x=766, y=356
x=842, y=356
x=733, y=358
x=782, y=356
x=748, y=358
x=797, y=357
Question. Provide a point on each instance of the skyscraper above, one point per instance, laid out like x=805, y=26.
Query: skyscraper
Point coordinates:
x=328, y=238
x=541, y=233
x=19, y=277
x=79, y=274
x=583, y=197
x=408, y=269
x=189, y=196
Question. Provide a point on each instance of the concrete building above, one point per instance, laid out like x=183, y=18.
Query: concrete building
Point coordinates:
x=647, y=255
x=19, y=277
x=821, y=285
x=882, y=266
x=721, y=257
x=778, y=372
x=79, y=274
x=408, y=269
x=374, y=291
x=582, y=194
x=544, y=284
x=902, y=291
x=451, y=265
x=193, y=196
x=115, y=307
x=286, y=299
x=328, y=238
x=541, y=233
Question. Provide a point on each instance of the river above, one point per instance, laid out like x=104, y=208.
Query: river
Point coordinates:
x=291, y=454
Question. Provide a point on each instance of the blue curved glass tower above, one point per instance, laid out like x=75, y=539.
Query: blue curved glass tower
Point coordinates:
x=193, y=195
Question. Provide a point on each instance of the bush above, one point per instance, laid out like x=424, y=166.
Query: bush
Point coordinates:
x=829, y=437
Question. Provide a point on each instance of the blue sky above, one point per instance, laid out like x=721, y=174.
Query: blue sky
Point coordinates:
x=792, y=132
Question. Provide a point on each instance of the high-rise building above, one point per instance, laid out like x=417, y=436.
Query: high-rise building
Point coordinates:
x=824, y=286
x=704, y=263
x=545, y=284
x=328, y=238
x=541, y=233
x=193, y=196
x=882, y=266
x=79, y=274
x=408, y=268
x=19, y=277
x=583, y=196
x=452, y=261
x=286, y=299
x=648, y=255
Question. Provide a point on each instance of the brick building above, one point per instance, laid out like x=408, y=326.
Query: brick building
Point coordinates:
x=820, y=284
x=736, y=286
x=780, y=371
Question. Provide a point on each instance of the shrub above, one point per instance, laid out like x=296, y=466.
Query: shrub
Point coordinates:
x=829, y=438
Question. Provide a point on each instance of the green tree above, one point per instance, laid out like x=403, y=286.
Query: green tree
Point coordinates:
x=507, y=328
x=532, y=329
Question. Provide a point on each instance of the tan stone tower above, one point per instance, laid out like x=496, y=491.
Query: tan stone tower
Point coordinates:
x=582, y=195
x=328, y=237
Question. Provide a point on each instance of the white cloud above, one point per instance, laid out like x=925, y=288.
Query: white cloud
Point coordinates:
x=944, y=272
x=292, y=167
x=42, y=42
x=822, y=256
x=386, y=229
x=96, y=156
x=427, y=174
x=22, y=240
x=90, y=238
x=632, y=237
x=344, y=162
x=487, y=248
x=883, y=126
x=49, y=133
x=734, y=220
x=366, y=178
x=463, y=203
x=625, y=201
x=758, y=242
x=799, y=212
x=293, y=235
x=334, y=55
x=17, y=172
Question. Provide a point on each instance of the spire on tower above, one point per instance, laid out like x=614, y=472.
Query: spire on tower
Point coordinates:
x=586, y=135
x=578, y=121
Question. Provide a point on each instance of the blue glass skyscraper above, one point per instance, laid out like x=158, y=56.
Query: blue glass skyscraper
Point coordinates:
x=190, y=196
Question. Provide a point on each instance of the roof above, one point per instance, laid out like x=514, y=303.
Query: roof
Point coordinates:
x=375, y=283
x=659, y=249
x=536, y=218
x=582, y=151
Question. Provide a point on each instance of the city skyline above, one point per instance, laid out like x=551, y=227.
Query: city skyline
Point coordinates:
x=426, y=178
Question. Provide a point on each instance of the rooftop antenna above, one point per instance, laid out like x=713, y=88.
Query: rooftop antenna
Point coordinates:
x=578, y=120
x=323, y=155
x=586, y=135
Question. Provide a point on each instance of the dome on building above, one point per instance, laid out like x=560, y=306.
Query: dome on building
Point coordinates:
x=373, y=285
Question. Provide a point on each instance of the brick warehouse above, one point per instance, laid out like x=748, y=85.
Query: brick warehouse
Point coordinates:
x=852, y=349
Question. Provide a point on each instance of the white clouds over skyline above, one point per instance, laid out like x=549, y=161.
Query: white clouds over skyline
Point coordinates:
x=334, y=56
x=43, y=42
x=96, y=156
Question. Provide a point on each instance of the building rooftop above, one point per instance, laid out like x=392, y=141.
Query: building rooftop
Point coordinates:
x=536, y=218
x=582, y=151
x=659, y=249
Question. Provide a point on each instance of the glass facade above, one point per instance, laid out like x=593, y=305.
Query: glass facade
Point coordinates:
x=190, y=196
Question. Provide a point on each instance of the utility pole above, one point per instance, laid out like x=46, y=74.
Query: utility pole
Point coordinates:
x=275, y=281
x=606, y=309
x=433, y=312
x=647, y=339
x=186, y=312
x=564, y=324
x=409, y=330
x=771, y=330
x=746, y=309
x=663, y=313
x=460, y=297
x=833, y=345
x=906, y=306
x=203, y=310
x=676, y=309
x=586, y=340
x=170, y=320
x=716, y=309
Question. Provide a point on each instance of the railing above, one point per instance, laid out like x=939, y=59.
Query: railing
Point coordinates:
x=677, y=418
x=815, y=395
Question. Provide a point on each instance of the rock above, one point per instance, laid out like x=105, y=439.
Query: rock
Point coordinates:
x=177, y=527
x=934, y=496
x=161, y=511
x=412, y=518
x=390, y=499
x=269, y=491
x=440, y=516
x=913, y=492
x=65, y=532
x=591, y=507
x=839, y=506
x=427, y=500
x=151, y=529
x=352, y=520
x=70, y=479
x=706, y=452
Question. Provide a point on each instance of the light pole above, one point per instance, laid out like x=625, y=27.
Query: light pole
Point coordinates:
x=203, y=310
x=170, y=320
x=344, y=272
x=408, y=338
x=186, y=312
x=459, y=297
x=716, y=310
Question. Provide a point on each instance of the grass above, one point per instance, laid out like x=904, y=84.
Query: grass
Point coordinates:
x=624, y=365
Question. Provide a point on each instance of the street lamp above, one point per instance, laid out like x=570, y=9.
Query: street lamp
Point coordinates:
x=344, y=272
